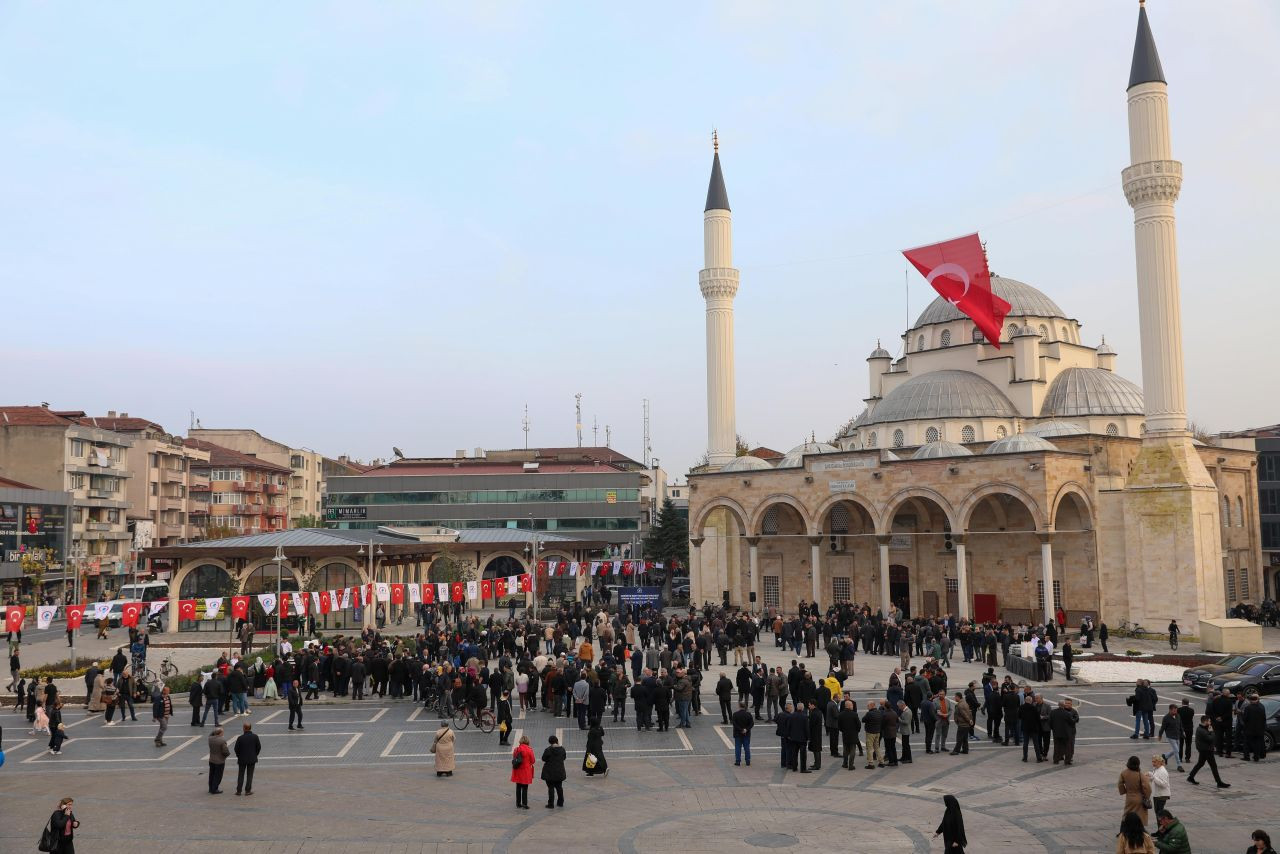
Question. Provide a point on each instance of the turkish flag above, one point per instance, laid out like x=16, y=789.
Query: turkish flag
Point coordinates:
x=368, y=595
x=526, y=583
x=240, y=607
x=13, y=616
x=957, y=270
x=542, y=567
x=326, y=602
x=355, y=597
x=428, y=594
x=186, y=609
x=455, y=591
x=397, y=594
x=626, y=567
x=129, y=612
x=486, y=589
x=500, y=588
x=75, y=616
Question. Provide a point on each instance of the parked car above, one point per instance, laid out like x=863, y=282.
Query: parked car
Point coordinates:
x=1197, y=678
x=1272, y=738
x=1262, y=676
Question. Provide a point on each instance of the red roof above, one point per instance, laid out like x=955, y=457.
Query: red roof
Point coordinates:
x=121, y=424
x=13, y=484
x=221, y=457
x=33, y=416
x=472, y=465
x=765, y=453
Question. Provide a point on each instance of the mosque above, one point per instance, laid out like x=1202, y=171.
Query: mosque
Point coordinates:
x=992, y=483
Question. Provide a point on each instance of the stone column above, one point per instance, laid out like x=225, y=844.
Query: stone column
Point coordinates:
x=696, y=593
x=753, y=569
x=962, y=576
x=815, y=564
x=885, y=604
x=1046, y=570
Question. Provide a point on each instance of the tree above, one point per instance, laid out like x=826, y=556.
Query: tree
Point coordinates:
x=449, y=567
x=307, y=521
x=668, y=542
x=219, y=532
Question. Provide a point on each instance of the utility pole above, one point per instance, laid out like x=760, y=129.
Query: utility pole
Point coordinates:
x=525, y=426
x=578, y=415
x=595, y=432
x=647, y=449
x=608, y=436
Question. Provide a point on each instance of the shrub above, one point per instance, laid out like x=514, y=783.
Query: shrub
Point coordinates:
x=62, y=669
x=1133, y=652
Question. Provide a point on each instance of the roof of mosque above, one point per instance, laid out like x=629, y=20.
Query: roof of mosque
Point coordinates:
x=1091, y=391
x=943, y=394
x=1023, y=300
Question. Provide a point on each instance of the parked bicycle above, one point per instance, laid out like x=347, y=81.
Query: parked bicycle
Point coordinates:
x=1128, y=630
x=167, y=671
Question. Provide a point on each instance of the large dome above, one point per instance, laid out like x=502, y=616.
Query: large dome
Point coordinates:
x=1023, y=299
x=1091, y=391
x=943, y=394
x=746, y=462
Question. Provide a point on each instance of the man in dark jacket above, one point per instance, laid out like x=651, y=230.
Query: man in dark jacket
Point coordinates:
x=850, y=724
x=553, y=773
x=871, y=725
x=744, y=683
x=212, y=699
x=1204, y=749
x=724, y=692
x=248, y=746
x=358, y=675
x=1029, y=718
x=782, y=729
x=817, y=722
x=504, y=717
x=889, y=733
x=196, y=698
x=798, y=735
x=1253, y=721
x=218, y=753
x=743, y=721
x=1222, y=710
x=1062, y=722
x=295, y=705
x=1186, y=717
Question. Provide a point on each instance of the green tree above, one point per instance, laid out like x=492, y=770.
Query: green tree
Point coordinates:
x=307, y=522
x=668, y=542
x=448, y=567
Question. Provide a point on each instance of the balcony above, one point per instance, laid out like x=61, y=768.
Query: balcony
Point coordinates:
x=102, y=493
x=199, y=510
x=169, y=475
x=97, y=526
x=276, y=511
x=272, y=489
x=249, y=486
x=170, y=502
x=200, y=486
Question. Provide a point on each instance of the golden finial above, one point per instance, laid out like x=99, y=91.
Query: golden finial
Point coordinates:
x=715, y=141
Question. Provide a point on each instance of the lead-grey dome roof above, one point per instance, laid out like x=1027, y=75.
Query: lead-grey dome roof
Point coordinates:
x=1018, y=443
x=795, y=456
x=943, y=394
x=746, y=462
x=1056, y=428
x=1023, y=299
x=1091, y=391
x=930, y=450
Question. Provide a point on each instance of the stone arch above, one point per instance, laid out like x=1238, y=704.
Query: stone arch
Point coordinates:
x=320, y=563
x=820, y=515
x=735, y=509
x=896, y=502
x=226, y=586
x=1077, y=494
x=975, y=498
x=188, y=564
x=791, y=501
x=492, y=556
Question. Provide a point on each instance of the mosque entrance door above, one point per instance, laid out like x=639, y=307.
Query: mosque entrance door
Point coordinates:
x=900, y=588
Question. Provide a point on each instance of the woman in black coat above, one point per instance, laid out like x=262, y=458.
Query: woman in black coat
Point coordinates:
x=595, y=747
x=952, y=826
x=63, y=825
x=553, y=772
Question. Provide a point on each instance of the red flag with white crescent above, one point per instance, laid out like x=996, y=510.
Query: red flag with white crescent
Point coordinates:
x=240, y=607
x=397, y=594
x=186, y=609
x=526, y=583
x=455, y=591
x=326, y=602
x=13, y=617
x=129, y=613
x=500, y=585
x=486, y=589
x=75, y=616
x=428, y=594
x=957, y=270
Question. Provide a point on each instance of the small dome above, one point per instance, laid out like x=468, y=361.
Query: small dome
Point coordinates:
x=879, y=353
x=1091, y=391
x=888, y=456
x=930, y=450
x=1018, y=443
x=1055, y=428
x=746, y=462
x=795, y=456
x=943, y=394
x=1023, y=300
x=1104, y=349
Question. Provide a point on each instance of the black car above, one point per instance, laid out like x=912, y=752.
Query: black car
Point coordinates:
x=1261, y=676
x=1198, y=678
x=1272, y=737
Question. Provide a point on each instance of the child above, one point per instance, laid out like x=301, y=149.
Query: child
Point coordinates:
x=41, y=722
x=59, y=736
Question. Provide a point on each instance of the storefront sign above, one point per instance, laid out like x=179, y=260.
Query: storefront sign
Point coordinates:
x=344, y=513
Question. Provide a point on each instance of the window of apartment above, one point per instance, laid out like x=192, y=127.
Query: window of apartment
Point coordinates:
x=113, y=516
x=77, y=447
x=1269, y=467
x=227, y=474
x=77, y=481
x=1270, y=501
x=295, y=461
x=155, y=460
x=155, y=488
x=1271, y=535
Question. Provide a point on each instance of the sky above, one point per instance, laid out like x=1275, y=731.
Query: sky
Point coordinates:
x=355, y=226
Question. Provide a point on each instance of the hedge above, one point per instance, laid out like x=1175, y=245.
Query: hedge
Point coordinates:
x=62, y=669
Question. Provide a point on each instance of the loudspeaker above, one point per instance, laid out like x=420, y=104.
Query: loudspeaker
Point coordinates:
x=753, y=596
x=725, y=595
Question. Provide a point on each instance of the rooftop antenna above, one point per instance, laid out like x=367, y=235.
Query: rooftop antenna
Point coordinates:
x=193, y=420
x=525, y=426
x=608, y=436
x=595, y=432
x=578, y=415
x=647, y=449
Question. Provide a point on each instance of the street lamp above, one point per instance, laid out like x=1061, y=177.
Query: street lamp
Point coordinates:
x=77, y=555
x=369, y=606
x=279, y=559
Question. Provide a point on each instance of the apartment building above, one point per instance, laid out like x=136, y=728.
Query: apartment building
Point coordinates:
x=65, y=451
x=305, y=483
x=236, y=493
x=159, y=489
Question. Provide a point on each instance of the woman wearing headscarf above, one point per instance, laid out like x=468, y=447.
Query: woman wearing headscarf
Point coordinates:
x=952, y=826
x=595, y=747
x=442, y=748
x=1133, y=838
x=1136, y=789
x=95, y=698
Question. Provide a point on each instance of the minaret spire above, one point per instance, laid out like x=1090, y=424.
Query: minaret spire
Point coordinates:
x=718, y=281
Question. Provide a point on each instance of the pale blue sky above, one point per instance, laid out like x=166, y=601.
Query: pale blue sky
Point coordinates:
x=355, y=225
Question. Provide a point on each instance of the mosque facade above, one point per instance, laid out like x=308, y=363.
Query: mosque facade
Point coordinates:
x=992, y=483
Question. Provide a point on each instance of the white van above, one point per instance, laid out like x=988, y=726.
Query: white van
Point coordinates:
x=147, y=591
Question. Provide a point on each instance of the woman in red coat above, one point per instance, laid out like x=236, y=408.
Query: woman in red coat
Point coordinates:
x=522, y=771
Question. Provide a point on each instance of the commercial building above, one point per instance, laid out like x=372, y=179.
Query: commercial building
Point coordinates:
x=1265, y=442
x=34, y=542
x=66, y=451
x=236, y=494
x=305, y=483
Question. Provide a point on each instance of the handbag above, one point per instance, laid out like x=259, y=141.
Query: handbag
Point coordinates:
x=48, y=841
x=502, y=727
x=517, y=760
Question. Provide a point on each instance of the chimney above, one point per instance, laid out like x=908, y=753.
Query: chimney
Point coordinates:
x=111, y=413
x=460, y=454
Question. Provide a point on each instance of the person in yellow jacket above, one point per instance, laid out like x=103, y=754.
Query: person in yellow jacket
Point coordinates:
x=586, y=652
x=834, y=686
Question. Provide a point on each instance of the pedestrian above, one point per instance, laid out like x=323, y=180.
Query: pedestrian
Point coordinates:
x=1204, y=747
x=1133, y=837
x=951, y=827
x=871, y=721
x=161, y=711
x=1172, y=836
x=1068, y=656
x=1171, y=731
x=110, y=696
x=724, y=692
x=1062, y=723
x=442, y=749
x=505, y=719
x=196, y=698
x=943, y=717
x=593, y=761
x=212, y=698
x=964, y=724
x=1161, y=791
x=904, y=731
x=1253, y=724
x=816, y=721
x=218, y=753
x=743, y=722
x=1261, y=843
x=850, y=725
x=60, y=832
x=553, y=773
x=15, y=665
x=248, y=746
x=1135, y=787
x=522, y=771
x=1187, y=736
x=295, y=704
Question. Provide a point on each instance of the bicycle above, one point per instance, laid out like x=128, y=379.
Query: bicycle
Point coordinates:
x=485, y=721
x=167, y=671
x=1173, y=640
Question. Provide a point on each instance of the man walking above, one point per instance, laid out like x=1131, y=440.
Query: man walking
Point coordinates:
x=295, y=705
x=1171, y=732
x=1029, y=718
x=724, y=692
x=743, y=721
x=1204, y=747
x=218, y=753
x=871, y=726
x=1186, y=717
x=964, y=723
x=944, y=721
x=161, y=711
x=248, y=746
x=212, y=699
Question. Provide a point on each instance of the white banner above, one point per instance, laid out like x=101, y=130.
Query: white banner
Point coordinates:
x=617, y=567
x=268, y=602
x=315, y=603
x=299, y=603
x=44, y=615
x=383, y=591
x=212, y=605
x=442, y=592
x=101, y=610
x=346, y=597
x=158, y=606
x=595, y=567
x=415, y=594
x=473, y=590
x=573, y=569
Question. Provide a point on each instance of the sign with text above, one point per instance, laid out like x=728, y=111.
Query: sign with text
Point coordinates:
x=843, y=485
x=845, y=465
x=628, y=596
x=342, y=513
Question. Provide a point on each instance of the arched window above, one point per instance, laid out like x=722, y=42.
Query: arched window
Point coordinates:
x=1066, y=336
x=1226, y=512
x=1143, y=426
x=769, y=525
x=977, y=335
x=1044, y=331
x=1239, y=512
x=946, y=338
x=897, y=438
x=920, y=343
x=966, y=434
x=1001, y=432
x=871, y=440
x=931, y=435
x=1113, y=430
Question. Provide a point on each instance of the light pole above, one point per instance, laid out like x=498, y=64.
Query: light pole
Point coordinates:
x=369, y=606
x=77, y=553
x=279, y=559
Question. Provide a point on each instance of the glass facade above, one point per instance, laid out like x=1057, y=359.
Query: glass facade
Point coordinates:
x=605, y=524
x=483, y=496
x=34, y=538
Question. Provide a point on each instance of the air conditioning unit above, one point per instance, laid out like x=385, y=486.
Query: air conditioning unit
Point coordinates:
x=530, y=466
x=837, y=543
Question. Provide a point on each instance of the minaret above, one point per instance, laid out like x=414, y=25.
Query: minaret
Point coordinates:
x=719, y=283
x=1173, y=546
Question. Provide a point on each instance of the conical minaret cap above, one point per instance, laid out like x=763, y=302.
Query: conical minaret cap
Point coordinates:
x=1146, y=60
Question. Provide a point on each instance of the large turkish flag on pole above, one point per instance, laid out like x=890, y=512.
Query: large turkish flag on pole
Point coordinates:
x=957, y=270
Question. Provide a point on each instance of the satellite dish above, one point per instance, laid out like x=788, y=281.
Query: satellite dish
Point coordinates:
x=399, y=453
